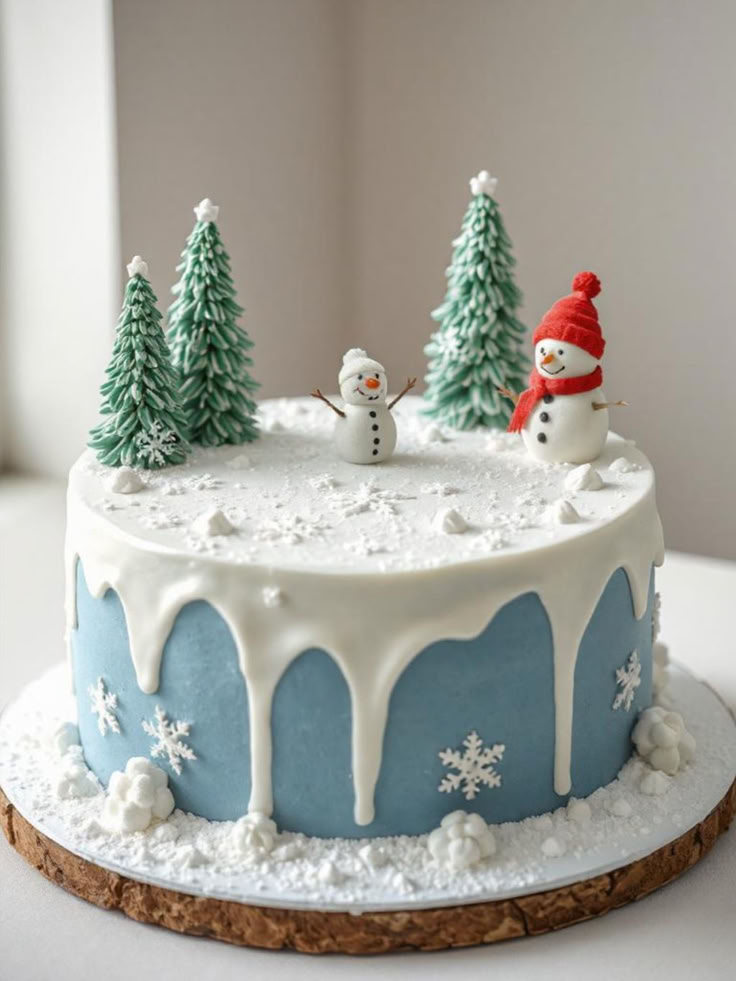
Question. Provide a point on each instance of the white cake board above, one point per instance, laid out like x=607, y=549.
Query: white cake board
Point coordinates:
x=406, y=879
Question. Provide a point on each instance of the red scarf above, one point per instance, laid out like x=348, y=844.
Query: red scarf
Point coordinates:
x=540, y=386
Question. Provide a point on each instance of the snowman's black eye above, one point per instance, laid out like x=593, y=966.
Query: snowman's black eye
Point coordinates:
x=541, y=350
x=360, y=377
x=560, y=351
x=377, y=375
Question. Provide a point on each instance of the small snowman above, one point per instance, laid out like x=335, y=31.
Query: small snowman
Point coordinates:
x=365, y=431
x=563, y=415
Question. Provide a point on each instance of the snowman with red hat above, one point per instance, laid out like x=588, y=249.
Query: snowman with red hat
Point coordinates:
x=365, y=431
x=563, y=415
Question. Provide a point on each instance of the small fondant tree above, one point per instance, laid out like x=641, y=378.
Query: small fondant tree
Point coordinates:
x=477, y=348
x=209, y=349
x=143, y=422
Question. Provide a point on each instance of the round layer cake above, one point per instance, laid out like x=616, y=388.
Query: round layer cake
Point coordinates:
x=358, y=650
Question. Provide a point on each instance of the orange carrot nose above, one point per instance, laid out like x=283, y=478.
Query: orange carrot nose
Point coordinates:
x=372, y=383
x=548, y=359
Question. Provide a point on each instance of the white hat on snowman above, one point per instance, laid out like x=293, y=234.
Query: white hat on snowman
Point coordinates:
x=356, y=362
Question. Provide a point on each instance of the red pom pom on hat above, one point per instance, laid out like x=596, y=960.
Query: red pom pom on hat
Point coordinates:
x=587, y=283
x=574, y=318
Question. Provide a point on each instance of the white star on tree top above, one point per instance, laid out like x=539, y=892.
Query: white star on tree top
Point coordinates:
x=206, y=210
x=137, y=267
x=483, y=184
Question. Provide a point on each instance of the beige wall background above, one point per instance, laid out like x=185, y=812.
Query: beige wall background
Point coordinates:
x=338, y=137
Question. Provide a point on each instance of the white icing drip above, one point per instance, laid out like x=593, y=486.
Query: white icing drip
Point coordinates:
x=414, y=609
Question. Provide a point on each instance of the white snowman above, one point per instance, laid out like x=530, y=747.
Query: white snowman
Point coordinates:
x=365, y=431
x=563, y=415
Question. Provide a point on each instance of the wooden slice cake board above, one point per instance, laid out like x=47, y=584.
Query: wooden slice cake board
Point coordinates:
x=316, y=932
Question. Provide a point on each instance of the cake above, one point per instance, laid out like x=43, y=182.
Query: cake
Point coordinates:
x=365, y=653
x=332, y=635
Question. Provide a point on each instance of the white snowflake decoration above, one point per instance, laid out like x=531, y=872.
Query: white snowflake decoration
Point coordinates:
x=474, y=766
x=323, y=482
x=103, y=704
x=449, y=343
x=168, y=740
x=368, y=497
x=628, y=679
x=290, y=529
x=156, y=444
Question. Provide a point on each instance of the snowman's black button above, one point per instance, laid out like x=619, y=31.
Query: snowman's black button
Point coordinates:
x=372, y=414
x=375, y=453
x=544, y=416
x=374, y=427
x=547, y=398
x=541, y=437
x=376, y=441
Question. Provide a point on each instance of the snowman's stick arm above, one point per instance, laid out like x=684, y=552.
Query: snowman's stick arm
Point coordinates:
x=606, y=405
x=407, y=388
x=509, y=395
x=316, y=394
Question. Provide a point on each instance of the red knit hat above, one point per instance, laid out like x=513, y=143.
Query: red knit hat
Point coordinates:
x=574, y=318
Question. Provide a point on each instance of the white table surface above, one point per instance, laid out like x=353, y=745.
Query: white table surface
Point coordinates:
x=685, y=931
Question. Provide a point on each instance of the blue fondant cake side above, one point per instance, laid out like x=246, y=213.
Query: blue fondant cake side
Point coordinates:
x=499, y=684
x=214, y=702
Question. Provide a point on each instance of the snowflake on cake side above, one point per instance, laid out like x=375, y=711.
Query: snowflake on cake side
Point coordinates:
x=628, y=679
x=474, y=765
x=103, y=704
x=169, y=741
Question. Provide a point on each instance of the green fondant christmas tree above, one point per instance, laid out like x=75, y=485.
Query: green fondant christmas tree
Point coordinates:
x=477, y=348
x=209, y=349
x=143, y=422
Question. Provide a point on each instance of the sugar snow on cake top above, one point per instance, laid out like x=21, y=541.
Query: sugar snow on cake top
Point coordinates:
x=288, y=500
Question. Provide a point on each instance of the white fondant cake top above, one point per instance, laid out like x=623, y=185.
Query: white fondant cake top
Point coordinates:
x=293, y=503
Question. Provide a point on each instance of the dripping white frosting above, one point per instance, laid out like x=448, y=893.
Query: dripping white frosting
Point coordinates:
x=148, y=558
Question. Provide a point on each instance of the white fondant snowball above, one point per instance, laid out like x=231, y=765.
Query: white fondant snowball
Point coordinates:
x=552, y=847
x=136, y=797
x=620, y=807
x=562, y=512
x=212, y=523
x=584, y=478
x=137, y=267
x=74, y=779
x=206, y=210
x=254, y=833
x=655, y=783
x=373, y=855
x=329, y=874
x=433, y=434
x=579, y=811
x=125, y=481
x=449, y=522
x=71, y=776
x=63, y=737
x=461, y=840
x=662, y=740
x=483, y=184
